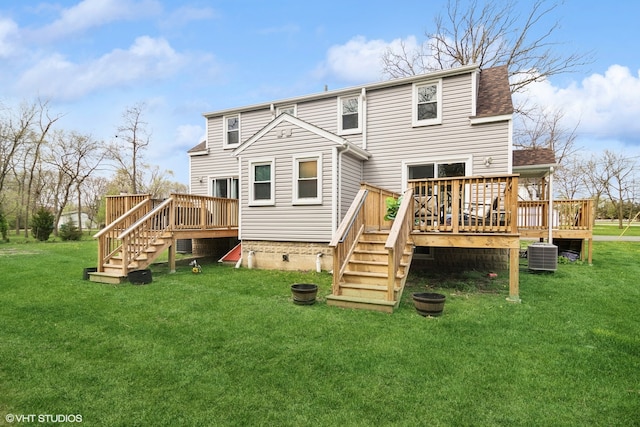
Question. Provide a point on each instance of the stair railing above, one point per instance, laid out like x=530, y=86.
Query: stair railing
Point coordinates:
x=108, y=242
x=147, y=230
x=398, y=238
x=346, y=237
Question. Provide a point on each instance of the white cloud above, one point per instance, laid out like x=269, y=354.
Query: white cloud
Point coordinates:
x=94, y=13
x=186, y=14
x=189, y=136
x=605, y=106
x=358, y=60
x=8, y=32
x=146, y=59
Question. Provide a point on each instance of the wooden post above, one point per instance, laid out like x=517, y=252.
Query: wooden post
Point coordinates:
x=514, y=275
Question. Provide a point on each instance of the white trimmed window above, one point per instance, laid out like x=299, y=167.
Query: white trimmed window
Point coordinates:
x=307, y=180
x=289, y=109
x=349, y=115
x=427, y=103
x=262, y=183
x=231, y=130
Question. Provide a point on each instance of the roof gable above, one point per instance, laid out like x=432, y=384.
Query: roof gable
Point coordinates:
x=335, y=139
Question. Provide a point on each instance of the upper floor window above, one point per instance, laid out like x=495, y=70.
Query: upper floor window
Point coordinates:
x=289, y=109
x=307, y=180
x=427, y=103
x=231, y=130
x=349, y=114
x=261, y=182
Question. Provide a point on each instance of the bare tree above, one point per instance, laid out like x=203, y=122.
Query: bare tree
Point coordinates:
x=489, y=35
x=131, y=140
x=618, y=171
x=541, y=128
x=93, y=190
x=75, y=157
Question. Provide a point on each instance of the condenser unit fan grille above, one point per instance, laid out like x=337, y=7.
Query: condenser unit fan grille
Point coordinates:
x=543, y=257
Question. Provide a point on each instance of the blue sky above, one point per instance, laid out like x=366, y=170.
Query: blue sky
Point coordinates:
x=94, y=58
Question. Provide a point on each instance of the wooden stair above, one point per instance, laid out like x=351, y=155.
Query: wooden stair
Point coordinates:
x=113, y=271
x=364, y=282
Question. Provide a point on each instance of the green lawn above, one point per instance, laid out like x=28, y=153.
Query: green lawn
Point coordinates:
x=228, y=347
x=612, y=229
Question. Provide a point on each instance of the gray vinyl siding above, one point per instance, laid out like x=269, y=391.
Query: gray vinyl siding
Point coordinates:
x=285, y=221
x=391, y=138
x=350, y=179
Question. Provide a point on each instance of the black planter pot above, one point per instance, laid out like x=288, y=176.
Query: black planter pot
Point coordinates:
x=429, y=304
x=87, y=271
x=304, y=293
x=140, y=277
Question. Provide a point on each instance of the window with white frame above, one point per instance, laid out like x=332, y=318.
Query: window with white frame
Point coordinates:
x=261, y=182
x=427, y=103
x=289, y=109
x=349, y=114
x=231, y=130
x=307, y=180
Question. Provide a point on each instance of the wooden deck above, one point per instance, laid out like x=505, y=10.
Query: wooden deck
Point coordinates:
x=139, y=229
x=465, y=212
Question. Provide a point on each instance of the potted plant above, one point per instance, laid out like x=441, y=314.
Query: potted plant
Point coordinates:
x=393, y=205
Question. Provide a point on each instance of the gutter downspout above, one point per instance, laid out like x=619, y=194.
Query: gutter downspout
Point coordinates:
x=550, y=190
x=363, y=95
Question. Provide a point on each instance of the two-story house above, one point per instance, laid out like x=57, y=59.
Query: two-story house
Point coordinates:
x=303, y=184
x=297, y=164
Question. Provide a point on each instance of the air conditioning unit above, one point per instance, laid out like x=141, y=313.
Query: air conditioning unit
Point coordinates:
x=543, y=257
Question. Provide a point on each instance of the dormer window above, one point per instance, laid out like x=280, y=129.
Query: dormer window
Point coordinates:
x=349, y=115
x=427, y=103
x=232, y=130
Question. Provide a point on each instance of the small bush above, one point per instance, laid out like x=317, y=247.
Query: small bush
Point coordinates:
x=69, y=231
x=42, y=224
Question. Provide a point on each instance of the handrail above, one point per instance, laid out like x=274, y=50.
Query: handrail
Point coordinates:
x=346, y=225
x=398, y=238
x=142, y=220
x=108, y=242
x=120, y=219
x=346, y=237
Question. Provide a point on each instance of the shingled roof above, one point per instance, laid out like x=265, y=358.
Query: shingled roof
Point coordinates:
x=200, y=147
x=534, y=157
x=494, y=93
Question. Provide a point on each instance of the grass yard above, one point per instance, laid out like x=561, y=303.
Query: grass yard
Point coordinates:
x=228, y=347
x=607, y=228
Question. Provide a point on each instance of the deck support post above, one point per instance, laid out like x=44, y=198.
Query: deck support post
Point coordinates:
x=514, y=275
x=172, y=256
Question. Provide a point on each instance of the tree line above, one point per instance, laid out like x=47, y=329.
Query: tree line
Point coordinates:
x=46, y=167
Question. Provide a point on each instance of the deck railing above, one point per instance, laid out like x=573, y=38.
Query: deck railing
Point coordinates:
x=366, y=211
x=116, y=206
x=133, y=231
x=473, y=204
x=108, y=242
x=567, y=215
